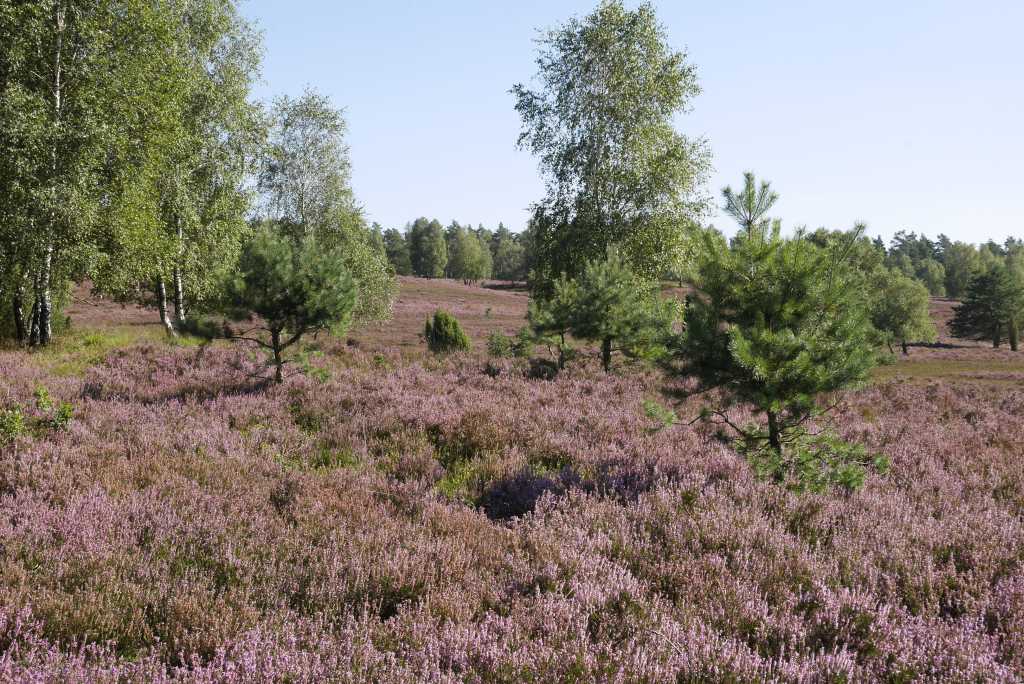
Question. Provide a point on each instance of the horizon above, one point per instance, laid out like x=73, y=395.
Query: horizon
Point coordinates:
x=899, y=118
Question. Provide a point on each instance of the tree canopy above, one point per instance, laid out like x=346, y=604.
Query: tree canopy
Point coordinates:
x=306, y=191
x=600, y=122
x=993, y=308
x=775, y=322
x=293, y=288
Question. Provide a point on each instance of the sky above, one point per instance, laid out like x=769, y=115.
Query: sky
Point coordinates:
x=903, y=114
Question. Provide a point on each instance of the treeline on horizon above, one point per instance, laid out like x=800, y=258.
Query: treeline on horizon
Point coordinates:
x=425, y=248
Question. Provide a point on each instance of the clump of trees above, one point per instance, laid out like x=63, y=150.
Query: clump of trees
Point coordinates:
x=144, y=195
x=469, y=255
x=993, y=309
x=610, y=305
x=149, y=197
x=943, y=266
x=460, y=252
x=153, y=197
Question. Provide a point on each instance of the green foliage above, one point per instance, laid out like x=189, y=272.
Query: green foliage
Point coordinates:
x=993, y=309
x=899, y=310
x=305, y=358
x=609, y=304
x=428, y=250
x=397, y=249
x=306, y=191
x=502, y=346
x=469, y=258
x=509, y=255
x=47, y=416
x=522, y=345
x=664, y=417
x=776, y=322
x=177, y=218
x=12, y=426
x=64, y=71
x=815, y=464
x=932, y=275
x=961, y=262
x=499, y=345
x=601, y=123
x=56, y=417
x=551, y=320
x=444, y=335
x=295, y=288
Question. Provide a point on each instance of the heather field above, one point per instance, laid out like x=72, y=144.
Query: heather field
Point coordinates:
x=390, y=517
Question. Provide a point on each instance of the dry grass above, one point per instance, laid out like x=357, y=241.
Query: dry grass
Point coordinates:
x=480, y=309
x=492, y=306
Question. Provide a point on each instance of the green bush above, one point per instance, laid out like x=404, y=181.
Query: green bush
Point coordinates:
x=12, y=426
x=500, y=345
x=444, y=334
x=522, y=346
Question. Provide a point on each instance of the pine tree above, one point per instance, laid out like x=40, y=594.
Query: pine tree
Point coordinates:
x=775, y=323
x=993, y=308
x=294, y=287
x=610, y=305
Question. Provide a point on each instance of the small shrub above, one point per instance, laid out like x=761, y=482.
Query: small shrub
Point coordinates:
x=62, y=416
x=522, y=347
x=284, y=495
x=542, y=369
x=304, y=359
x=664, y=417
x=12, y=426
x=43, y=401
x=499, y=345
x=444, y=334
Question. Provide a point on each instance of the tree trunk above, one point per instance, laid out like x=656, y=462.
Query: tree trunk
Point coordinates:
x=179, y=299
x=561, y=353
x=997, y=337
x=43, y=326
x=44, y=299
x=275, y=342
x=1014, y=336
x=33, y=332
x=606, y=354
x=904, y=345
x=774, y=433
x=18, y=306
x=161, y=300
x=179, y=289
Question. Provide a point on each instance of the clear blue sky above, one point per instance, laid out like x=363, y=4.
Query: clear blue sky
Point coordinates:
x=905, y=114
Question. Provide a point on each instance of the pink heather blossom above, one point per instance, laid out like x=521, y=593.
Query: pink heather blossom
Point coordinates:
x=427, y=522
